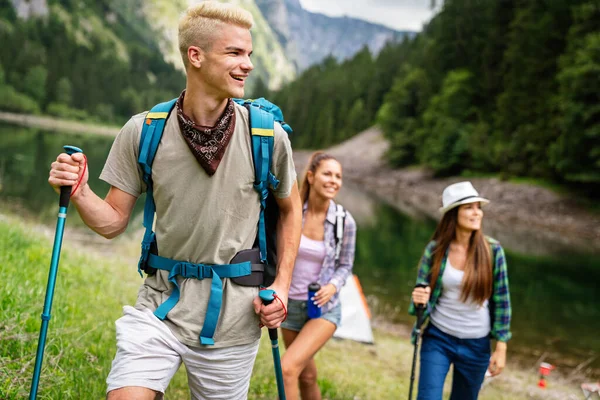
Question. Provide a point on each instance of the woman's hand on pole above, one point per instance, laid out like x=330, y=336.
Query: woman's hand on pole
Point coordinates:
x=420, y=295
x=498, y=360
x=324, y=294
x=66, y=170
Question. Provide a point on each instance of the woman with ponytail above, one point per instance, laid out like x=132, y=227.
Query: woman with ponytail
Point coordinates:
x=316, y=262
x=466, y=297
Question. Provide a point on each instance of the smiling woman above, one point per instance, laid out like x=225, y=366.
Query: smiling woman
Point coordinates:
x=473, y=304
x=318, y=275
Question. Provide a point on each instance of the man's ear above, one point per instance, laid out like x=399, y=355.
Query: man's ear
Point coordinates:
x=195, y=56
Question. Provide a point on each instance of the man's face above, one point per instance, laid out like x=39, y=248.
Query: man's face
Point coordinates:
x=226, y=66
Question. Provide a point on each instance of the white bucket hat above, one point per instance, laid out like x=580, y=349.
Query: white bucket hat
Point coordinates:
x=460, y=193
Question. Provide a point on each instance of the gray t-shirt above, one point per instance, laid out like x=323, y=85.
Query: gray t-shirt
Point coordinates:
x=200, y=219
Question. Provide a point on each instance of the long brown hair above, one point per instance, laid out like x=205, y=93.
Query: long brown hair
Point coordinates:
x=313, y=163
x=477, y=281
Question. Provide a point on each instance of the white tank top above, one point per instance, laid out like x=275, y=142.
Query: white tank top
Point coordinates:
x=463, y=320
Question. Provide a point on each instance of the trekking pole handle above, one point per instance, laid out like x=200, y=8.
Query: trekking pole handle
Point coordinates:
x=420, y=307
x=65, y=191
x=267, y=296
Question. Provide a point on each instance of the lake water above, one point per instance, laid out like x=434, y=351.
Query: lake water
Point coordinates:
x=556, y=304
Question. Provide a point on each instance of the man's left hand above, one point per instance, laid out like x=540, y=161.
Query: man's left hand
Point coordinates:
x=272, y=315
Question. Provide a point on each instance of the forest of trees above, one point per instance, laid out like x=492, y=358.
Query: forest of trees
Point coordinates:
x=70, y=64
x=508, y=86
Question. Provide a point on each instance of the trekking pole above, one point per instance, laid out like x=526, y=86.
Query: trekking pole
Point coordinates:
x=419, y=308
x=267, y=297
x=65, y=193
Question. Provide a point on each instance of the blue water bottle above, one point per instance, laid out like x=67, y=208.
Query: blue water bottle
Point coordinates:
x=313, y=310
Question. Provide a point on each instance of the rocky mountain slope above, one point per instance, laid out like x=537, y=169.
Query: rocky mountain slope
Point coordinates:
x=310, y=37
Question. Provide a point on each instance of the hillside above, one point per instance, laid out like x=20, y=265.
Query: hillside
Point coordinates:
x=104, y=60
x=270, y=61
x=473, y=93
x=560, y=222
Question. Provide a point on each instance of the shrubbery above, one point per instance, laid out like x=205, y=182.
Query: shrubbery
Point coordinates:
x=11, y=100
x=66, y=112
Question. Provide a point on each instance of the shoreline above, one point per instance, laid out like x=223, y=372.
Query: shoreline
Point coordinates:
x=50, y=123
x=524, y=217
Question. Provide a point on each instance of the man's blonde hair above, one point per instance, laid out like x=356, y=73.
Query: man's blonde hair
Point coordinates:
x=200, y=24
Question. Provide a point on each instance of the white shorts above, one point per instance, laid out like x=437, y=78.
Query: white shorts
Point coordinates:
x=148, y=355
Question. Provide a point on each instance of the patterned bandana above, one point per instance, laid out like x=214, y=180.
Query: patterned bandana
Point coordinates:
x=208, y=144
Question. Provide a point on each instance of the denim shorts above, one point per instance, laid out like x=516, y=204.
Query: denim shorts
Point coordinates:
x=297, y=315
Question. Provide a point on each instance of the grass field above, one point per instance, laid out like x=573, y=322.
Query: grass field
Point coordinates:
x=91, y=289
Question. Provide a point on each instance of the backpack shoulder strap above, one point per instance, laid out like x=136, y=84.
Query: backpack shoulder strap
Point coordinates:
x=340, y=222
x=262, y=115
x=262, y=124
x=152, y=131
x=270, y=108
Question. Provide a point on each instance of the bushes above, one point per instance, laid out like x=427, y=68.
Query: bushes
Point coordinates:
x=63, y=111
x=11, y=100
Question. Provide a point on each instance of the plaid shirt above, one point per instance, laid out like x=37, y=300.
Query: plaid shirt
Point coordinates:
x=499, y=303
x=330, y=273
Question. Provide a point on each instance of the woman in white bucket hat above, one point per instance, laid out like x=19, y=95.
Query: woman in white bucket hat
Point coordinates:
x=463, y=282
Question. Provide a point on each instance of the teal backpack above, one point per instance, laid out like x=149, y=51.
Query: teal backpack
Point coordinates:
x=252, y=267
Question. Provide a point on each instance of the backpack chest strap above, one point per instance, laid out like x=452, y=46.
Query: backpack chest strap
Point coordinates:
x=198, y=271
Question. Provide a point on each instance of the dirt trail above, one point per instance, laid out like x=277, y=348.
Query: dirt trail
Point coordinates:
x=523, y=217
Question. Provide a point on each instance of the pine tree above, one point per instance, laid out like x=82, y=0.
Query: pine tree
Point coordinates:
x=576, y=153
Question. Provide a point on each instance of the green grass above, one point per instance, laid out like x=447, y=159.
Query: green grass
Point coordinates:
x=88, y=297
x=90, y=292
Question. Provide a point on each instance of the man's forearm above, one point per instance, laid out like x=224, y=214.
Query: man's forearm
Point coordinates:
x=289, y=228
x=98, y=214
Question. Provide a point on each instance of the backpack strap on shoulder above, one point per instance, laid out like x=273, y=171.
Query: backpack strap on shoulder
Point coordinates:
x=262, y=116
x=152, y=131
x=340, y=221
x=261, y=128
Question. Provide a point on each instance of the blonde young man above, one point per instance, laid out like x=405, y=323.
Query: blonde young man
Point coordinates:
x=206, y=211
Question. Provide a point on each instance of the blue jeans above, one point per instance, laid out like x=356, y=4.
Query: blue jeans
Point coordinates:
x=470, y=357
